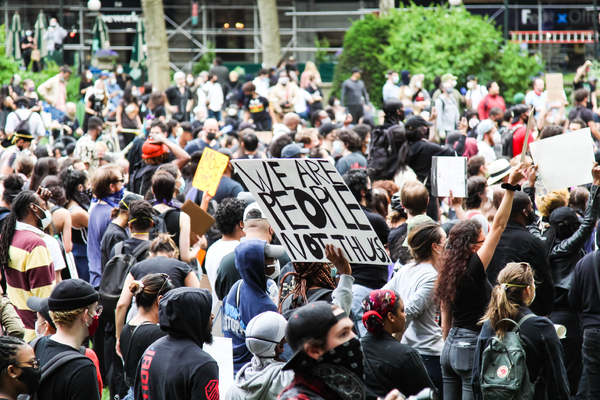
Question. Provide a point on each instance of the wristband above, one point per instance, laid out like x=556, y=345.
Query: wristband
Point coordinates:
x=512, y=188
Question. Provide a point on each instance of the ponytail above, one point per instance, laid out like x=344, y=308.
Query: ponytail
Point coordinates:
x=507, y=296
x=19, y=209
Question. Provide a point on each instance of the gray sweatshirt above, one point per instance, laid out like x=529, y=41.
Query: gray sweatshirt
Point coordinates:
x=415, y=284
x=353, y=92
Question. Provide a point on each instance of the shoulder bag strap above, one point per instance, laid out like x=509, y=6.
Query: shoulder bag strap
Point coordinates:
x=131, y=339
x=59, y=360
x=140, y=249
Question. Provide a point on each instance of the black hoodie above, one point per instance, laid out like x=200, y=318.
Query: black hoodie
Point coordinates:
x=175, y=367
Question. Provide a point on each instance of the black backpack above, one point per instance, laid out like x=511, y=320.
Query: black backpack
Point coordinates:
x=142, y=179
x=116, y=269
x=56, y=362
x=506, y=135
x=23, y=123
x=380, y=153
x=160, y=224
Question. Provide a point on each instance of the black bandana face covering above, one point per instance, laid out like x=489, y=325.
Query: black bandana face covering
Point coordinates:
x=348, y=355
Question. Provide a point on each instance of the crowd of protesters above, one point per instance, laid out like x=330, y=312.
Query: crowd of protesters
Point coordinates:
x=82, y=198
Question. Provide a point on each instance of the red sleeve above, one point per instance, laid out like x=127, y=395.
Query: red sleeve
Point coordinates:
x=89, y=353
x=518, y=139
x=481, y=109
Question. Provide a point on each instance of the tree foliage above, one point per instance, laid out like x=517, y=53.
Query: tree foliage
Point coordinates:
x=9, y=67
x=433, y=41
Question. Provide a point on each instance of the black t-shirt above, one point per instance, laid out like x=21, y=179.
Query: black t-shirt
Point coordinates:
x=373, y=276
x=132, y=350
x=177, y=369
x=176, y=269
x=258, y=108
x=472, y=296
x=114, y=234
x=75, y=380
x=583, y=113
x=176, y=98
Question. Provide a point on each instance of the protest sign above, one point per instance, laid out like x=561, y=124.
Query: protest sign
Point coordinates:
x=210, y=170
x=449, y=174
x=555, y=88
x=564, y=160
x=308, y=205
x=221, y=350
x=200, y=220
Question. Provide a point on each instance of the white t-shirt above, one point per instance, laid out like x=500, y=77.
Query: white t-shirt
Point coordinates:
x=488, y=153
x=214, y=255
x=55, y=252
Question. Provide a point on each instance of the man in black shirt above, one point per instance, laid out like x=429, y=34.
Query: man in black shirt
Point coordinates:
x=175, y=367
x=518, y=245
x=179, y=98
x=74, y=309
x=256, y=108
x=366, y=276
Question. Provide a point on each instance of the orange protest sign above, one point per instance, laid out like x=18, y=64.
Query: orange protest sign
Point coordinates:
x=210, y=170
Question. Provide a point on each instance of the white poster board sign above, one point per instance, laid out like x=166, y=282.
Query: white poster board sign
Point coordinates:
x=449, y=174
x=308, y=205
x=221, y=350
x=564, y=160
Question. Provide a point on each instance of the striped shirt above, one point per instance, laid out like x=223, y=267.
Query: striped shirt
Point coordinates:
x=30, y=272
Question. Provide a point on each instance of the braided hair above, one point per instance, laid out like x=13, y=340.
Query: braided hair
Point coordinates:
x=19, y=210
x=9, y=346
x=305, y=276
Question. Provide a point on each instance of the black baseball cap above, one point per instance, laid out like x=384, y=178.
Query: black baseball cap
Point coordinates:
x=72, y=294
x=311, y=321
x=416, y=121
x=356, y=69
x=40, y=305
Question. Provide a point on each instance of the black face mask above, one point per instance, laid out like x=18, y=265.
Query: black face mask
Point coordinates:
x=31, y=378
x=211, y=136
x=348, y=355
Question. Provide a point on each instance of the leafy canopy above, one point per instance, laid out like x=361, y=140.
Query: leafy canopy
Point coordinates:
x=433, y=41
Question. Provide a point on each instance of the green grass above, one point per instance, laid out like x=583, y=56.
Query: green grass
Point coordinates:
x=105, y=394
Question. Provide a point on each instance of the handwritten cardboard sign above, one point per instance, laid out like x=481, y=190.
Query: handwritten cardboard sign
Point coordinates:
x=210, y=170
x=308, y=205
x=555, y=88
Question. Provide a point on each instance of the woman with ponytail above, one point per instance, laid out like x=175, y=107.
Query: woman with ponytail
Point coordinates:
x=510, y=300
x=142, y=330
x=389, y=364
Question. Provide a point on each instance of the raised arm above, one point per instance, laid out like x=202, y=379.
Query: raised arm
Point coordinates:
x=486, y=251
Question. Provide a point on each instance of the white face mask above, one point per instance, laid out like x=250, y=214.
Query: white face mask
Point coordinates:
x=46, y=219
x=470, y=85
x=277, y=269
x=473, y=122
x=119, y=70
x=190, y=81
x=395, y=79
x=419, y=84
x=284, y=80
x=89, y=76
x=113, y=81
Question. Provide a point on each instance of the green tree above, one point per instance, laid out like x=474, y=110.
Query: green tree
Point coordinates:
x=434, y=41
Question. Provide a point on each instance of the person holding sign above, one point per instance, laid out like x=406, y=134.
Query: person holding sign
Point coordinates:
x=464, y=291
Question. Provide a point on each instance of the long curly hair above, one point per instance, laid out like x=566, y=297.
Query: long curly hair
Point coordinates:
x=456, y=257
